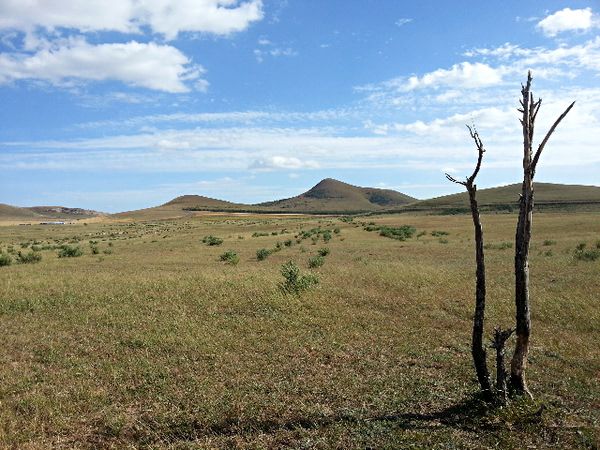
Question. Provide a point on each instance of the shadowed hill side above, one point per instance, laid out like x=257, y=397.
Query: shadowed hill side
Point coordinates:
x=334, y=195
x=63, y=212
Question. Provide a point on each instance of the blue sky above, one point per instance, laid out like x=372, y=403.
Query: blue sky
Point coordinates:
x=129, y=106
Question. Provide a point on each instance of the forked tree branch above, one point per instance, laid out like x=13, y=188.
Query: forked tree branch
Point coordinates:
x=480, y=150
x=548, y=134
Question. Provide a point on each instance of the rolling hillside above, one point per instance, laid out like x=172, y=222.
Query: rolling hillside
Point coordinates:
x=327, y=196
x=545, y=194
x=182, y=206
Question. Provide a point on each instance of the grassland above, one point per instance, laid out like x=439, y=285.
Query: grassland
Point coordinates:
x=155, y=342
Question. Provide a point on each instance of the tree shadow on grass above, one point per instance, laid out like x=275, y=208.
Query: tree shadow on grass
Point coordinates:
x=466, y=415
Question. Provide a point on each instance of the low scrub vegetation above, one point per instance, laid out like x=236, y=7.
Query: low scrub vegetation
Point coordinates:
x=230, y=257
x=262, y=254
x=316, y=261
x=296, y=283
x=584, y=254
x=212, y=240
x=5, y=260
x=68, y=251
x=29, y=258
x=401, y=233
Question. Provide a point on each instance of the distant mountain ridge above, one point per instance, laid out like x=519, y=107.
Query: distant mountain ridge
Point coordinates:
x=326, y=197
x=44, y=213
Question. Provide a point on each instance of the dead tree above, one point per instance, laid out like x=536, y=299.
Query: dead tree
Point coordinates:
x=477, y=347
x=498, y=343
x=529, y=109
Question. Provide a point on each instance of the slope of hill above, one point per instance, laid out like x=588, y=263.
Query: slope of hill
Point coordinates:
x=15, y=214
x=545, y=194
x=182, y=206
x=334, y=195
x=63, y=212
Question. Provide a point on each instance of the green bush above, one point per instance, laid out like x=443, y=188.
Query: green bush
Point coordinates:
x=262, y=254
x=5, y=260
x=67, y=251
x=327, y=235
x=230, y=257
x=549, y=242
x=287, y=243
x=29, y=258
x=323, y=251
x=316, y=261
x=401, y=233
x=257, y=234
x=212, y=240
x=94, y=249
x=586, y=255
x=294, y=282
x=439, y=233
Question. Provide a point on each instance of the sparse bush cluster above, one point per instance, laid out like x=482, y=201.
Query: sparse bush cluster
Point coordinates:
x=212, y=240
x=499, y=246
x=296, y=283
x=315, y=234
x=230, y=257
x=29, y=258
x=401, y=233
x=5, y=260
x=68, y=251
x=587, y=254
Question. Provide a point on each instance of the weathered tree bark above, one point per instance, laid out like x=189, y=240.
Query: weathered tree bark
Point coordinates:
x=477, y=347
x=498, y=343
x=523, y=236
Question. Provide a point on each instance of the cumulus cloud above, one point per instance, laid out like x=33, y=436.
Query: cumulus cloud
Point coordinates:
x=219, y=17
x=566, y=19
x=152, y=66
x=469, y=74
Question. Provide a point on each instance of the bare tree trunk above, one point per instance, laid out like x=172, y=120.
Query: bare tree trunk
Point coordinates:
x=477, y=348
x=523, y=236
x=499, y=341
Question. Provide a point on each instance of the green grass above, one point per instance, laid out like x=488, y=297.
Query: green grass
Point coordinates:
x=162, y=345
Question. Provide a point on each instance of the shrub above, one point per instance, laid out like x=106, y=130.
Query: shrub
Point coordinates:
x=439, y=233
x=5, y=260
x=316, y=261
x=67, y=251
x=107, y=251
x=549, y=242
x=323, y=251
x=230, y=257
x=29, y=258
x=337, y=230
x=500, y=246
x=294, y=282
x=327, y=236
x=401, y=233
x=586, y=255
x=262, y=254
x=257, y=234
x=287, y=243
x=94, y=249
x=212, y=240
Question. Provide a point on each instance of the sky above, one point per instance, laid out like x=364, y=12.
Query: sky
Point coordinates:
x=128, y=106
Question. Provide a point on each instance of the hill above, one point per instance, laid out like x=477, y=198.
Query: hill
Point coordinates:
x=327, y=196
x=333, y=195
x=63, y=212
x=10, y=213
x=546, y=195
x=182, y=206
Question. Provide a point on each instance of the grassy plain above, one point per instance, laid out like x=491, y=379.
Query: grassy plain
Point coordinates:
x=154, y=342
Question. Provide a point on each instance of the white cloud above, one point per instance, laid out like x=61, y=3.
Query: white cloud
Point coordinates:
x=282, y=162
x=566, y=19
x=274, y=52
x=465, y=74
x=219, y=17
x=403, y=21
x=152, y=66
